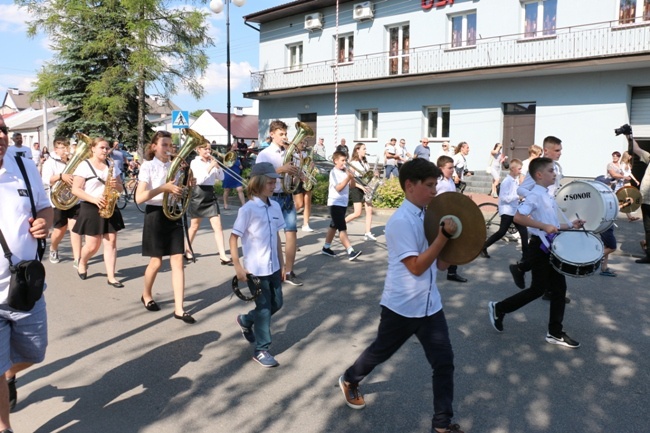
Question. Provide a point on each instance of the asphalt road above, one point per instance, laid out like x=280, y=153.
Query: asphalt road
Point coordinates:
x=112, y=366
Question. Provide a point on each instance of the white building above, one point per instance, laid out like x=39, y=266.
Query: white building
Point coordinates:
x=511, y=71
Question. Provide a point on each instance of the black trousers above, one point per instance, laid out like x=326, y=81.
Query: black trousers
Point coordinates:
x=433, y=334
x=645, y=212
x=506, y=220
x=545, y=279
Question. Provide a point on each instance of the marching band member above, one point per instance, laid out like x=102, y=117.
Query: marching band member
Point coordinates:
x=204, y=200
x=52, y=172
x=89, y=183
x=301, y=197
x=160, y=235
x=357, y=194
x=258, y=224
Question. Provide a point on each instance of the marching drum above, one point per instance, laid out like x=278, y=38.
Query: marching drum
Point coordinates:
x=594, y=201
x=576, y=253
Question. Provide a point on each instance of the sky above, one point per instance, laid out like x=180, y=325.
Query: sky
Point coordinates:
x=22, y=56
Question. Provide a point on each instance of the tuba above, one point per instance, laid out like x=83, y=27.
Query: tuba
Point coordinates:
x=110, y=194
x=175, y=206
x=310, y=170
x=290, y=182
x=61, y=193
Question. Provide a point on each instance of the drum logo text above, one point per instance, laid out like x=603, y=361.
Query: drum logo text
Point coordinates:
x=577, y=196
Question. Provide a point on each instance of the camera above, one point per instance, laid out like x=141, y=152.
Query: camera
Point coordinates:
x=625, y=130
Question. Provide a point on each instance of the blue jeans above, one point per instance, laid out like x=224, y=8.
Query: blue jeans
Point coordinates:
x=433, y=334
x=267, y=304
x=391, y=170
x=288, y=211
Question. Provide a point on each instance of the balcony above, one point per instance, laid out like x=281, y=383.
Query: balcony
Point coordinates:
x=599, y=40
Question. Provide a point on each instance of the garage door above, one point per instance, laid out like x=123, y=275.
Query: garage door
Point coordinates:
x=640, y=112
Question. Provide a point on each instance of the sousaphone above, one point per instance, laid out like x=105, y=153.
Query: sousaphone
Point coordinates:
x=468, y=241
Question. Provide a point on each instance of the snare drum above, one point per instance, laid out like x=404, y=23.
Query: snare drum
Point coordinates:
x=594, y=201
x=576, y=253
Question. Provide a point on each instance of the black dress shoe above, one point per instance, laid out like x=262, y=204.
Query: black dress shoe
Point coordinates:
x=643, y=260
x=189, y=257
x=226, y=262
x=484, y=253
x=13, y=395
x=186, y=317
x=457, y=278
x=151, y=305
x=116, y=284
x=82, y=275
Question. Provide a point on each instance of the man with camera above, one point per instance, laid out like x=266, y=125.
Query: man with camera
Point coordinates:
x=644, y=188
x=23, y=334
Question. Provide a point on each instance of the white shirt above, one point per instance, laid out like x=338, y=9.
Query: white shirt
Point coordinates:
x=94, y=186
x=319, y=149
x=644, y=188
x=390, y=150
x=405, y=293
x=53, y=166
x=36, y=156
x=154, y=174
x=508, y=197
x=529, y=183
x=258, y=224
x=15, y=212
x=200, y=172
x=275, y=155
x=23, y=151
x=540, y=206
x=334, y=197
x=445, y=185
x=460, y=165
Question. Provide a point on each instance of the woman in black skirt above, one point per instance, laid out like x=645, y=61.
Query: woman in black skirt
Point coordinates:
x=90, y=180
x=160, y=235
x=204, y=204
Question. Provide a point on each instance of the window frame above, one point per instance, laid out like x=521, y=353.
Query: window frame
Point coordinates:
x=640, y=15
x=399, y=57
x=466, y=41
x=298, y=46
x=348, y=48
x=542, y=28
x=440, y=111
x=372, y=124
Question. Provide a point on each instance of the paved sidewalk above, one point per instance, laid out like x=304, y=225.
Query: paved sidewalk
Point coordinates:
x=112, y=366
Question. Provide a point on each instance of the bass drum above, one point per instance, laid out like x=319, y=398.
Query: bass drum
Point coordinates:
x=593, y=201
x=576, y=253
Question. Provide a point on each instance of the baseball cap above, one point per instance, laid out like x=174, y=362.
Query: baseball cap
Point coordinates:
x=264, y=169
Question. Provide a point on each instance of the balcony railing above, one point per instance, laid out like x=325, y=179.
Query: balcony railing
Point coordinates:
x=571, y=43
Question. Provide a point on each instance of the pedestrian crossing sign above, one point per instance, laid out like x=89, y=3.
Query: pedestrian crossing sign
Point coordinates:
x=180, y=119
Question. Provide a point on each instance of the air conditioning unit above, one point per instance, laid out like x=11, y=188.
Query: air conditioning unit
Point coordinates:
x=314, y=21
x=363, y=11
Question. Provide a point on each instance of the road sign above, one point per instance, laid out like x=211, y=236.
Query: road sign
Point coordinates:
x=180, y=119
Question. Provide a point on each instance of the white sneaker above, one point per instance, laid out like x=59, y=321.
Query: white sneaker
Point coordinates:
x=369, y=237
x=307, y=229
x=54, y=256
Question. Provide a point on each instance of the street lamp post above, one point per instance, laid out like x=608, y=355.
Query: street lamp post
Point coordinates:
x=216, y=6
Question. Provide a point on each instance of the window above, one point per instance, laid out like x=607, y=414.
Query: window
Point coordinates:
x=463, y=29
x=398, y=50
x=540, y=14
x=295, y=56
x=437, y=119
x=345, y=49
x=367, y=124
x=628, y=11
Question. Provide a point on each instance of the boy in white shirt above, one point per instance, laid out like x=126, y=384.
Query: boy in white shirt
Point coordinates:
x=337, y=202
x=508, y=202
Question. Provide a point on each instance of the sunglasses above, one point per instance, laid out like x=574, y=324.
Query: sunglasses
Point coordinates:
x=4, y=129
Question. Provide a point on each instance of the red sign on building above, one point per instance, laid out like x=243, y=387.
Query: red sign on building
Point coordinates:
x=430, y=4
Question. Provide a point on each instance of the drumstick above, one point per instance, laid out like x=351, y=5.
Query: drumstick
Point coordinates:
x=583, y=226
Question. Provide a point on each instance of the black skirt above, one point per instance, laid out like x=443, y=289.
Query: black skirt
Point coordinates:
x=160, y=235
x=90, y=223
x=203, y=203
x=61, y=217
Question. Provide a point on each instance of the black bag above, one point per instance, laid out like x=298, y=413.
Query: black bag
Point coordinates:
x=28, y=276
x=26, y=284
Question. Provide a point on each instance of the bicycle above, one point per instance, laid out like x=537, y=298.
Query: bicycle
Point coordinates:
x=492, y=219
x=130, y=187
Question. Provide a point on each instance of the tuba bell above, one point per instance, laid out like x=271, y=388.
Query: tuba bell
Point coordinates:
x=61, y=193
x=175, y=206
x=290, y=182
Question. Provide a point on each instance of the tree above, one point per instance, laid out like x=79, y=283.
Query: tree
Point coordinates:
x=110, y=52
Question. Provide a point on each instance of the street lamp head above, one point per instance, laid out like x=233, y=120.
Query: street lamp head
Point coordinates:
x=216, y=6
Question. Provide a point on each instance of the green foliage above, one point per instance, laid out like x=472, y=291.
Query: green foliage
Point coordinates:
x=389, y=195
x=107, y=53
x=197, y=113
x=319, y=193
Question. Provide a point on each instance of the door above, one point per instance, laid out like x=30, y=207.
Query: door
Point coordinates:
x=518, y=129
x=310, y=120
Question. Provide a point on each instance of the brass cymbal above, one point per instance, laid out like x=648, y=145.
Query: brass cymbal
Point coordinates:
x=629, y=199
x=467, y=246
